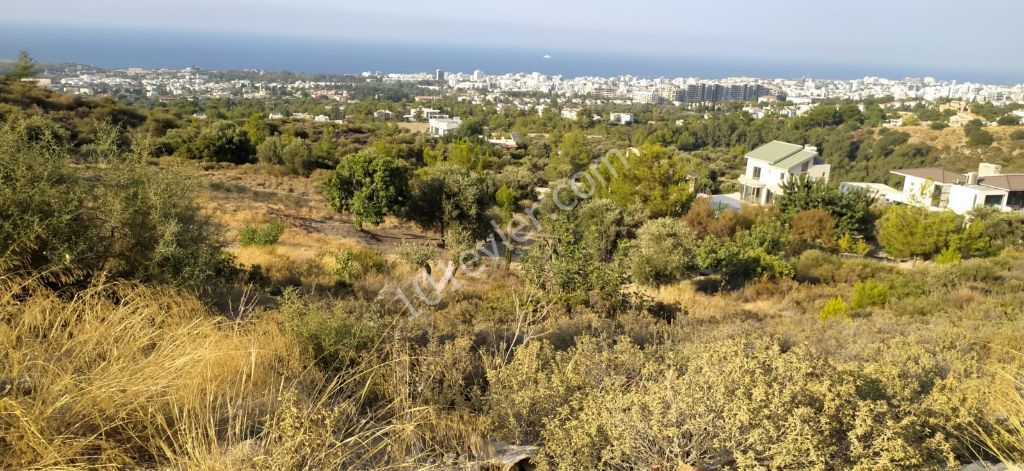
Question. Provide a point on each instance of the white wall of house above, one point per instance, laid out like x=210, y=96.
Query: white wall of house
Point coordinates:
x=769, y=175
x=963, y=199
x=918, y=191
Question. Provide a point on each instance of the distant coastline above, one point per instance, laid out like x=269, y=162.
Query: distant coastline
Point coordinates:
x=127, y=48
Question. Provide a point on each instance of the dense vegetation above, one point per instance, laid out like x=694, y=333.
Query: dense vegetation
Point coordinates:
x=640, y=327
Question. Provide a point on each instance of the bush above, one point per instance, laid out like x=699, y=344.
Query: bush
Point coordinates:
x=337, y=337
x=949, y=256
x=910, y=231
x=737, y=264
x=851, y=211
x=978, y=137
x=122, y=216
x=811, y=228
x=221, y=141
x=369, y=185
x=663, y=252
x=869, y=293
x=835, y=308
x=297, y=157
x=418, y=254
x=1017, y=135
x=352, y=265
x=260, y=236
x=938, y=126
x=1008, y=120
x=1001, y=230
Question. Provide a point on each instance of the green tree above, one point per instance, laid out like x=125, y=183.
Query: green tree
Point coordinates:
x=1008, y=120
x=663, y=252
x=444, y=195
x=271, y=151
x=910, y=231
x=368, y=185
x=654, y=180
x=298, y=157
x=220, y=142
x=24, y=67
x=573, y=154
x=851, y=210
x=506, y=202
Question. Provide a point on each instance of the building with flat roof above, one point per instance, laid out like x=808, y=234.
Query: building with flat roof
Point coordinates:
x=440, y=127
x=938, y=189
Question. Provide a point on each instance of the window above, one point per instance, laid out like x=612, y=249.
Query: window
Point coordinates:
x=805, y=167
x=757, y=173
x=1015, y=200
x=993, y=200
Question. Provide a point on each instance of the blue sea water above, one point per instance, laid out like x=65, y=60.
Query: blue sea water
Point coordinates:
x=154, y=49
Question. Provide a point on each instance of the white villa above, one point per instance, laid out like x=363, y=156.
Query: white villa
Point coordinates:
x=938, y=189
x=441, y=127
x=775, y=163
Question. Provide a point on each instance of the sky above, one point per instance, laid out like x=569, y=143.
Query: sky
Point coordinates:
x=982, y=35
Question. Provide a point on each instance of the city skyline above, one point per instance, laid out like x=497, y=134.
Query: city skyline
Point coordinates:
x=877, y=35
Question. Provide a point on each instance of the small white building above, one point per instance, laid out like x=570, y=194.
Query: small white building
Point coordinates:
x=937, y=189
x=440, y=127
x=572, y=114
x=620, y=118
x=775, y=163
x=424, y=114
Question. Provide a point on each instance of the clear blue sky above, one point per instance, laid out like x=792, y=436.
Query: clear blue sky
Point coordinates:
x=983, y=35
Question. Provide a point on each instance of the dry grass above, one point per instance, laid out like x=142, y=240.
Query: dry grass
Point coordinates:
x=953, y=137
x=129, y=376
x=126, y=375
x=416, y=128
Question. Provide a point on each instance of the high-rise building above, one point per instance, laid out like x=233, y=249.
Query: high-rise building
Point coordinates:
x=439, y=75
x=714, y=93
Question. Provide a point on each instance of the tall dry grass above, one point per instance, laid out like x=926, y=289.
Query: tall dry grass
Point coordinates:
x=122, y=375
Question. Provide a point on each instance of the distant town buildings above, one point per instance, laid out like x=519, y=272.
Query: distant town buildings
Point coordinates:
x=521, y=90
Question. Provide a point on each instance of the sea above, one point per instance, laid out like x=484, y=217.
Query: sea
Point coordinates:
x=109, y=48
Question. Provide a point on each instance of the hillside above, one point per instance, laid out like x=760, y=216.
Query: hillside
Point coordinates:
x=237, y=292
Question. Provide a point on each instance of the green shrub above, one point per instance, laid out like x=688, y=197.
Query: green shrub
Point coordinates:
x=910, y=231
x=663, y=252
x=861, y=248
x=118, y=215
x=418, y=254
x=869, y=293
x=352, y=265
x=338, y=336
x=948, y=256
x=261, y=236
x=835, y=308
x=815, y=266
